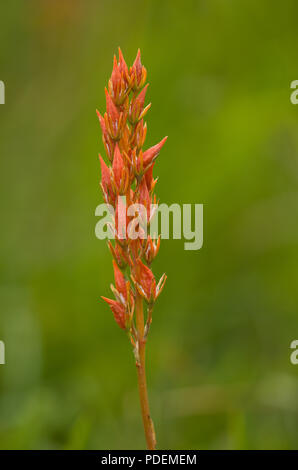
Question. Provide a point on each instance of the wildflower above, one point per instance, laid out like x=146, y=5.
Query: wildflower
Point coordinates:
x=130, y=174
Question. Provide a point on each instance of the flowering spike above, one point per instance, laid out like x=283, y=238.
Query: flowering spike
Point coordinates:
x=131, y=174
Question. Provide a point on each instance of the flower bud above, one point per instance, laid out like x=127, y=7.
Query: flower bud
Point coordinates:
x=136, y=108
x=138, y=73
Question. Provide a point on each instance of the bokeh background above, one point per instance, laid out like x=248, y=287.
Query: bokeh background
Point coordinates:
x=219, y=366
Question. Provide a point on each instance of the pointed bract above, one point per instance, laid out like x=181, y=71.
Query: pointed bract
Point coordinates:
x=118, y=166
x=101, y=121
x=138, y=65
x=122, y=64
x=119, y=280
x=150, y=154
x=118, y=311
x=105, y=175
x=149, y=177
x=145, y=281
x=144, y=198
x=112, y=110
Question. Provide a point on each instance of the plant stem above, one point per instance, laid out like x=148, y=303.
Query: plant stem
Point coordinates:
x=147, y=421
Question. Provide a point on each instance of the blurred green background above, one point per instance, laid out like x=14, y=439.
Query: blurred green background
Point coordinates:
x=219, y=366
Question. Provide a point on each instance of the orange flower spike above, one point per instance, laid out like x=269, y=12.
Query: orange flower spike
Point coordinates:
x=131, y=174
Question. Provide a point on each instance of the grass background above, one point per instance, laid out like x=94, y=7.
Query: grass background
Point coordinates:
x=219, y=370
